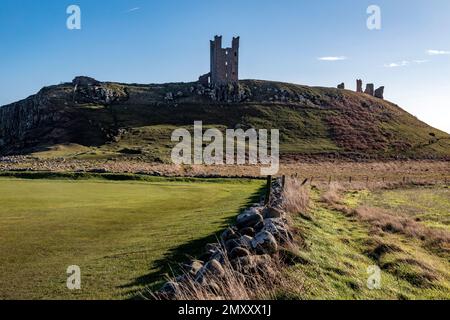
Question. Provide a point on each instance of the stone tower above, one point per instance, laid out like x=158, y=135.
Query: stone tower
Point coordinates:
x=359, y=86
x=224, y=62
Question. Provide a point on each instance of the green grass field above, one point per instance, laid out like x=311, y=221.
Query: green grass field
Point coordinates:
x=122, y=234
x=338, y=248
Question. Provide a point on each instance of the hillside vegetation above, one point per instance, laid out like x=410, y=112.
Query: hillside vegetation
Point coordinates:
x=131, y=121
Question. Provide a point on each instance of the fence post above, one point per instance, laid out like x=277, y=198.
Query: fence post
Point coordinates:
x=329, y=180
x=268, y=190
x=283, y=181
x=350, y=179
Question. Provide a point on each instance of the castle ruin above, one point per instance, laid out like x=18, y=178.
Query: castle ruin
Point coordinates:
x=370, y=89
x=359, y=85
x=224, y=64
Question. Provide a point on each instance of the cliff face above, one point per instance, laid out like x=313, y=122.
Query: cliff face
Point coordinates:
x=23, y=122
x=51, y=117
x=113, y=119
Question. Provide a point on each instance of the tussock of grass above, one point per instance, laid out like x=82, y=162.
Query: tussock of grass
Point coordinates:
x=384, y=221
x=237, y=282
x=295, y=197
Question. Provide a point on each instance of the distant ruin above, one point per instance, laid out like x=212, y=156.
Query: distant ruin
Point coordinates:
x=370, y=89
x=379, y=93
x=341, y=86
x=359, y=85
x=224, y=64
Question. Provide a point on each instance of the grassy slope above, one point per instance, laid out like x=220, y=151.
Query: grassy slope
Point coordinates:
x=312, y=120
x=120, y=233
x=339, y=249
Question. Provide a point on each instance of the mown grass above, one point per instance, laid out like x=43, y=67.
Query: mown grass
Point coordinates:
x=338, y=248
x=123, y=234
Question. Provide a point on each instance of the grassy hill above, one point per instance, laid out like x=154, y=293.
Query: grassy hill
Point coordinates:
x=113, y=120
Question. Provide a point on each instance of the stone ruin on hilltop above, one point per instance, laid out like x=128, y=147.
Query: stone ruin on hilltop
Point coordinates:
x=370, y=89
x=224, y=64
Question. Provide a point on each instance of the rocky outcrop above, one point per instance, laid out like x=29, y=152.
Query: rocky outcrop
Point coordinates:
x=341, y=85
x=49, y=116
x=89, y=90
x=247, y=247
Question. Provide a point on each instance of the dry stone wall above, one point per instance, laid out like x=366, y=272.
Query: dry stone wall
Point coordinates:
x=248, y=246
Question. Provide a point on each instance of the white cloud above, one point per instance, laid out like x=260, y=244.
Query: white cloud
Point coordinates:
x=437, y=52
x=332, y=58
x=403, y=63
x=133, y=9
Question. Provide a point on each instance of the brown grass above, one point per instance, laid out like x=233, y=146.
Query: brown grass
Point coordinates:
x=295, y=197
x=333, y=194
x=385, y=221
x=262, y=280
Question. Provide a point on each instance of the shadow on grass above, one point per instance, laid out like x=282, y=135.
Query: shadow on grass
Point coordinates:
x=170, y=263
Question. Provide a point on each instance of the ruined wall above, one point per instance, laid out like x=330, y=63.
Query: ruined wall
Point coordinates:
x=359, y=85
x=224, y=62
x=370, y=89
x=379, y=93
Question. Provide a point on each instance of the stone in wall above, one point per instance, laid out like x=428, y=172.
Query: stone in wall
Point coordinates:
x=370, y=89
x=379, y=93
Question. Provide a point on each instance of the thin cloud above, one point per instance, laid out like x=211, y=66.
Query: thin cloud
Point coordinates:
x=332, y=58
x=132, y=9
x=404, y=63
x=438, y=52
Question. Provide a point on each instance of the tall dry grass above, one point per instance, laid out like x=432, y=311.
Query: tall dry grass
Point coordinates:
x=385, y=221
x=333, y=193
x=255, y=281
x=295, y=197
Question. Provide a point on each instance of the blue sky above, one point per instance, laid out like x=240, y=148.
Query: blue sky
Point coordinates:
x=148, y=41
